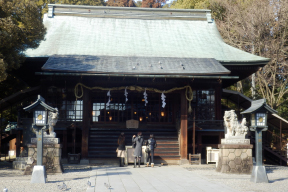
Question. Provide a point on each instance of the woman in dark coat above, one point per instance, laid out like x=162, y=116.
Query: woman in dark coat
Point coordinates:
x=138, y=140
x=121, y=149
x=151, y=145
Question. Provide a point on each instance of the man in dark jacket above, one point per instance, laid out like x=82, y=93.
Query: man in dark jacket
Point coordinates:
x=151, y=145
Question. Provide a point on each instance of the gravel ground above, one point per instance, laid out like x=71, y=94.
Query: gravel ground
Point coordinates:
x=277, y=176
x=76, y=177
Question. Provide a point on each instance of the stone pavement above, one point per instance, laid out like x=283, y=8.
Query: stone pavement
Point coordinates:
x=165, y=178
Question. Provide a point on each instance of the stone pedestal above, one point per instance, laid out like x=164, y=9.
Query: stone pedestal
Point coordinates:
x=235, y=158
x=20, y=163
x=39, y=174
x=259, y=175
x=51, y=158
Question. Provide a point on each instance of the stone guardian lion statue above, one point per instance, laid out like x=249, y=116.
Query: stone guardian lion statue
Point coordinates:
x=52, y=120
x=233, y=127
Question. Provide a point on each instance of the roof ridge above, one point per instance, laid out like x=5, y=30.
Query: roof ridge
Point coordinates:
x=129, y=12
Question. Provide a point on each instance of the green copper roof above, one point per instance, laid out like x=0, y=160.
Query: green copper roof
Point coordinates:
x=134, y=32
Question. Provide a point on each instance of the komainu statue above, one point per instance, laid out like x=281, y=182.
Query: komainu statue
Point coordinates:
x=52, y=120
x=233, y=127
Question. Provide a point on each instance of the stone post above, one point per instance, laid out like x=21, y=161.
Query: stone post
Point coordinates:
x=259, y=174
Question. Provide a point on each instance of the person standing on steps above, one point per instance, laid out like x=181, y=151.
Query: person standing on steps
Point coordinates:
x=121, y=149
x=151, y=145
x=138, y=148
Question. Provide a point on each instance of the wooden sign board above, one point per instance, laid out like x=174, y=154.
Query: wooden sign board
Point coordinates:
x=132, y=124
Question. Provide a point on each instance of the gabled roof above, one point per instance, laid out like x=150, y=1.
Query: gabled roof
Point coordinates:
x=255, y=105
x=136, y=32
x=40, y=101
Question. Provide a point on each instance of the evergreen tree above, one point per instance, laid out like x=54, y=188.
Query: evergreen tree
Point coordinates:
x=21, y=27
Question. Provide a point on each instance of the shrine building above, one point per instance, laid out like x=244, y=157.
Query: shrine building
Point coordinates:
x=104, y=67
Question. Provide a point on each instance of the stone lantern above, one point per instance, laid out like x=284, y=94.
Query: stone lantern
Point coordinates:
x=40, y=123
x=258, y=118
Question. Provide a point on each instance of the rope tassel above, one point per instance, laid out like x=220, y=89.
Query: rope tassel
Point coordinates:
x=145, y=97
x=189, y=97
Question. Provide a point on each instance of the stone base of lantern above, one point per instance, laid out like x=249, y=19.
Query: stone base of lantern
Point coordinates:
x=39, y=174
x=235, y=158
x=259, y=175
x=51, y=158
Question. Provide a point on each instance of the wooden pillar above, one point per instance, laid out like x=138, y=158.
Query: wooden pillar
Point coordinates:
x=18, y=143
x=218, y=95
x=183, y=129
x=85, y=123
x=18, y=136
x=194, y=132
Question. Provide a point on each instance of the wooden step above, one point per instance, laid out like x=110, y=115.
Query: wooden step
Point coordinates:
x=166, y=149
x=103, y=142
x=174, y=157
x=91, y=155
x=167, y=142
x=166, y=153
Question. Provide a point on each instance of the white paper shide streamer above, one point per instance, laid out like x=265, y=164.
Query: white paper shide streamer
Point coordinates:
x=126, y=94
x=109, y=95
x=163, y=100
x=145, y=97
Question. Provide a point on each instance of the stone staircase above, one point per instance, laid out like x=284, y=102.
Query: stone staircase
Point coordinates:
x=103, y=143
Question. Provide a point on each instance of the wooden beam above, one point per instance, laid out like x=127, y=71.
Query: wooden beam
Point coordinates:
x=183, y=127
x=86, y=123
